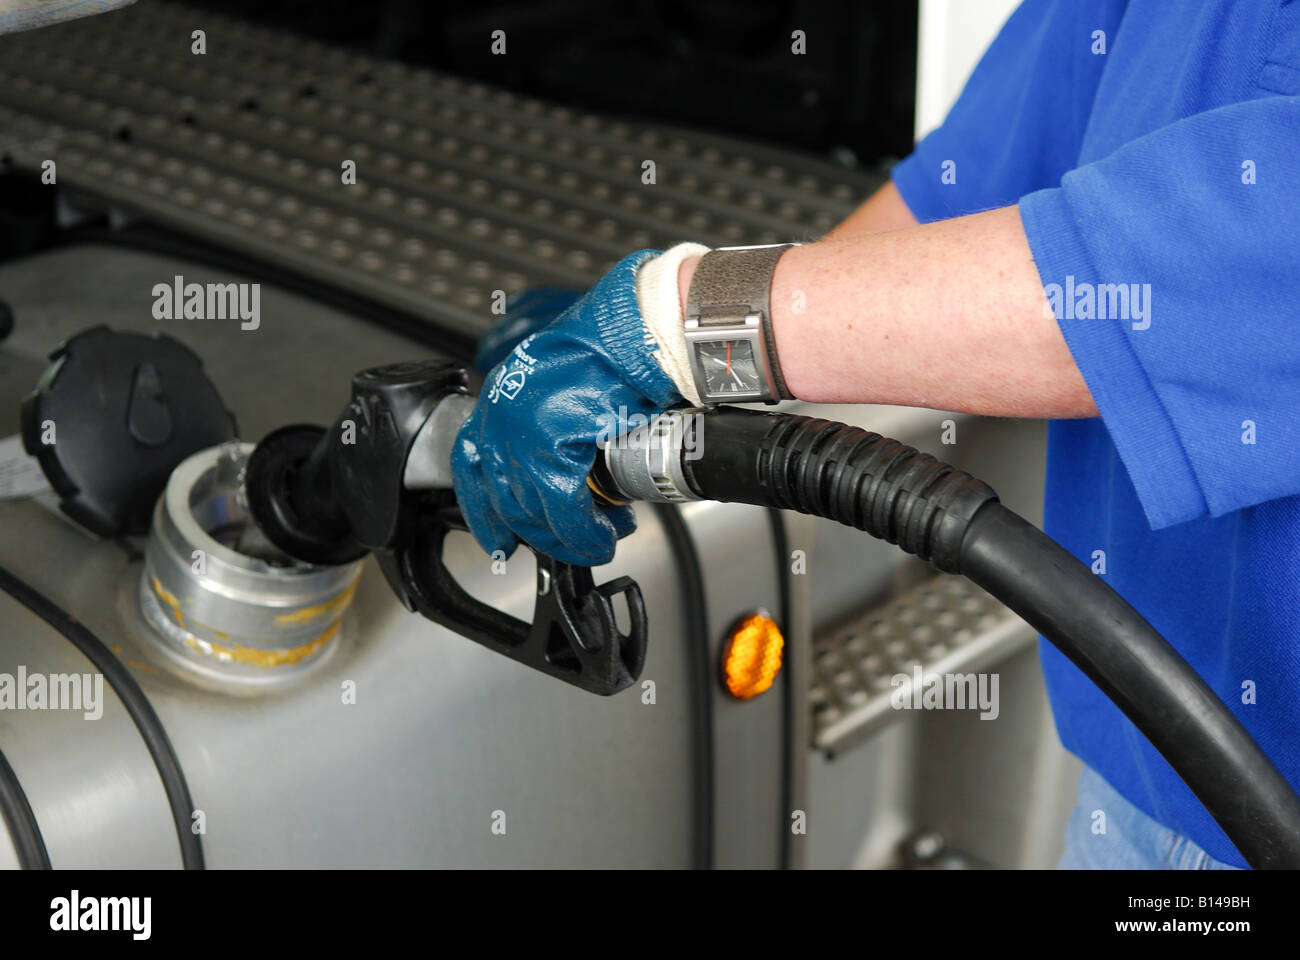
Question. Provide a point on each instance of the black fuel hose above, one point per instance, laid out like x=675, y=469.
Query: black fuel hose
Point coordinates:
x=133, y=699
x=16, y=811
x=695, y=625
x=945, y=516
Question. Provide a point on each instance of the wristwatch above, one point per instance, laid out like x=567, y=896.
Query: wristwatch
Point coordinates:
x=729, y=326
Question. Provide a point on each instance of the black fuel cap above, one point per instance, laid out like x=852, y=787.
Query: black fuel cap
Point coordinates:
x=112, y=416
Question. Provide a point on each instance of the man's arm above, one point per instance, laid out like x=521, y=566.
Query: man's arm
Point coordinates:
x=884, y=210
x=952, y=315
x=948, y=315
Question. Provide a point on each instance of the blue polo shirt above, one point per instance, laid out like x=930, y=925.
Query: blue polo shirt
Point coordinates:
x=1154, y=150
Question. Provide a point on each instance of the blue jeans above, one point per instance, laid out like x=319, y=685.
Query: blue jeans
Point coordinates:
x=1132, y=841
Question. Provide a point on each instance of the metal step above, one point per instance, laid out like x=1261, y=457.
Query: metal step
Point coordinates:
x=462, y=189
x=947, y=625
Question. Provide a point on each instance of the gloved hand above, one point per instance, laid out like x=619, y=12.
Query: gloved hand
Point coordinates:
x=526, y=312
x=521, y=460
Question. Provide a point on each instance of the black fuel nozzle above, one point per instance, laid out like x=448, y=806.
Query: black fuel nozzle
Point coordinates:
x=380, y=481
x=330, y=496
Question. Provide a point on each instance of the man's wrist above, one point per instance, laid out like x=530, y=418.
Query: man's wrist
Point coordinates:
x=726, y=294
x=784, y=296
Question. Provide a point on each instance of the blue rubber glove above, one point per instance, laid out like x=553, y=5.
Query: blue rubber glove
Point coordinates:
x=521, y=460
x=526, y=312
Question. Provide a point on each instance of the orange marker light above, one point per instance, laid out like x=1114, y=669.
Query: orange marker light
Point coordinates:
x=751, y=658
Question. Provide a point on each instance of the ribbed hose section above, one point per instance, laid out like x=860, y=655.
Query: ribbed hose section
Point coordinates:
x=890, y=490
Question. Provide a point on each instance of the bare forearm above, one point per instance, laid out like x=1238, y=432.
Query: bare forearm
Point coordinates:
x=949, y=315
x=884, y=210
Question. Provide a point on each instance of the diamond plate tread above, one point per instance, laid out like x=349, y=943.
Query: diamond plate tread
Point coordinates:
x=462, y=189
x=945, y=625
x=284, y=51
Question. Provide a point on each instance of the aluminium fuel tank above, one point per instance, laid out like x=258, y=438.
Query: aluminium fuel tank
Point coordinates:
x=443, y=753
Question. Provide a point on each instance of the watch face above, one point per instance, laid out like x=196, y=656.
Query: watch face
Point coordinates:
x=729, y=367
